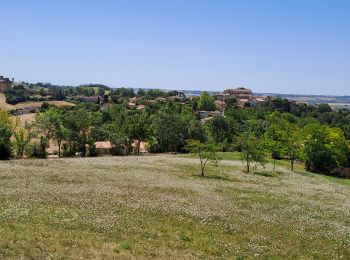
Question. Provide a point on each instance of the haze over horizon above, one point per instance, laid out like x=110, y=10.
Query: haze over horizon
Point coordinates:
x=292, y=47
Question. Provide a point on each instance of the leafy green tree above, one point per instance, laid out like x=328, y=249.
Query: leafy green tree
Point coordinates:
x=252, y=150
x=6, y=129
x=171, y=127
x=219, y=129
x=21, y=140
x=37, y=149
x=167, y=132
x=5, y=141
x=141, y=92
x=137, y=128
x=275, y=139
x=325, y=148
x=294, y=145
x=47, y=122
x=206, y=102
x=205, y=151
x=231, y=102
x=61, y=133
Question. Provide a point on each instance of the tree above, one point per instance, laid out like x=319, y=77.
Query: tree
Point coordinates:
x=47, y=122
x=275, y=139
x=141, y=92
x=5, y=141
x=22, y=138
x=80, y=123
x=6, y=128
x=171, y=127
x=38, y=150
x=206, y=102
x=205, y=151
x=252, y=150
x=325, y=148
x=231, y=102
x=167, y=131
x=219, y=129
x=294, y=145
x=60, y=134
x=137, y=128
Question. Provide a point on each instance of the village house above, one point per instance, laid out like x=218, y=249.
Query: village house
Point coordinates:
x=106, y=147
x=92, y=99
x=5, y=84
x=239, y=93
x=103, y=147
x=244, y=97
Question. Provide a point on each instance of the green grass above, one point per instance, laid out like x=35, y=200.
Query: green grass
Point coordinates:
x=159, y=207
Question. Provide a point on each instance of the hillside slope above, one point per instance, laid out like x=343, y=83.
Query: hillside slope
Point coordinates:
x=3, y=104
x=158, y=207
x=6, y=106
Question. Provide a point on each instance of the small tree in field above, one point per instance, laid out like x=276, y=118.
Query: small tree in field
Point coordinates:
x=275, y=139
x=206, y=153
x=294, y=145
x=21, y=141
x=252, y=150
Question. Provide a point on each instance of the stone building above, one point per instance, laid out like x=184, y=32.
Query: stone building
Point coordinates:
x=5, y=84
x=239, y=93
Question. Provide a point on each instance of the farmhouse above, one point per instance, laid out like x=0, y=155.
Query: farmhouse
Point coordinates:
x=103, y=147
x=5, y=84
x=243, y=97
x=239, y=93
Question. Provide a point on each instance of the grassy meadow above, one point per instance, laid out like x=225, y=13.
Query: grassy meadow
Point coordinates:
x=159, y=207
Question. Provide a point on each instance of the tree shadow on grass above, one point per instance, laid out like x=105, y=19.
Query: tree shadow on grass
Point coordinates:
x=267, y=174
x=215, y=177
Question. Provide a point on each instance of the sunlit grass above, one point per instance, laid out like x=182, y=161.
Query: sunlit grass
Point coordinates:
x=159, y=207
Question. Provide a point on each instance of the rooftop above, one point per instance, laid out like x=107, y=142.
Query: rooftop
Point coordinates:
x=4, y=80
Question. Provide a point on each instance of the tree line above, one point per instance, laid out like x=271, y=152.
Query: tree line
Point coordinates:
x=316, y=136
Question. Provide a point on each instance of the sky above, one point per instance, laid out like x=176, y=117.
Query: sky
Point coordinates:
x=289, y=46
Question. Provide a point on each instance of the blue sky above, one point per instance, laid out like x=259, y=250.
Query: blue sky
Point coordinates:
x=287, y=46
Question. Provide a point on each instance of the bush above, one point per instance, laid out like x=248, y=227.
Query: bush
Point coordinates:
x=37, y=150
x=5, y=141
x=93, y=151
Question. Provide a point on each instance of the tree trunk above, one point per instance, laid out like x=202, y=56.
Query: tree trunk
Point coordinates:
x=274, y=163
x=138, y=147
x=202, y=167
x=248, y=166
x=21, y=151
x=292, y=164
x=59, y=149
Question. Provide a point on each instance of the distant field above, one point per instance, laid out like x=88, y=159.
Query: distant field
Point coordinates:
x=55, y=102
x=5, y=106
x=158, y=207
x=27, y=118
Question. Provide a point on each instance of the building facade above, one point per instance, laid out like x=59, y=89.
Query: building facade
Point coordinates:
x=239, y=93
x=5, y=84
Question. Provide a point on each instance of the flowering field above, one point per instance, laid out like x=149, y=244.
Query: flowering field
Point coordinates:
x=158, y=207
